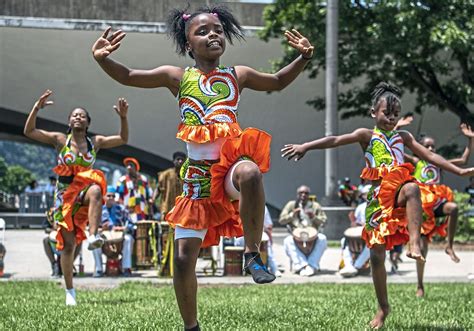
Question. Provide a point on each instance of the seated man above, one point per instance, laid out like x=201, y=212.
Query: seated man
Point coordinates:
x=347, y=192
x=303, y=213
x=115, y=218
x=351, y=266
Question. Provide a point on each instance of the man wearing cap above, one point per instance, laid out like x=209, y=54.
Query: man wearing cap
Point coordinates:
x=115, y=218
x=352, y=267
x=133, y=191
x=305, y=217
x=169, y=187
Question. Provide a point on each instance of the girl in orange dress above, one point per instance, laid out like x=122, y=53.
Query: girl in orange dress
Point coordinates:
x=79, y=190
x=394, y=207
x=444, y=207
x=223, y=189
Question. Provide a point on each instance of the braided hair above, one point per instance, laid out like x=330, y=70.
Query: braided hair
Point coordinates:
x=87, y=115
x=178, y=24
x=389, y=92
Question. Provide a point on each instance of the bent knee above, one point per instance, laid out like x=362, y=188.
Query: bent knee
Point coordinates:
x=249, y=174
x=183, y=263
x=451, y=208
x=411, y=190
x=94, y=192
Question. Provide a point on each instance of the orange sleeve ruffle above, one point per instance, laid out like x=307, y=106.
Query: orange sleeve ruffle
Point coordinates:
x=219, y=218
x=207, y=133
x=252, y=143
x=78, y=220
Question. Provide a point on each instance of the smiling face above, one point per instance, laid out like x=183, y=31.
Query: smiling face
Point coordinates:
x=386, y=118
x=79, y=119
x=206, y=38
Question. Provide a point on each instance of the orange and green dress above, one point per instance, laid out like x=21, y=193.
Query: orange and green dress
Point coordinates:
x=386, y=224
x=208, y=104
x=430, y=175
x=75, y=176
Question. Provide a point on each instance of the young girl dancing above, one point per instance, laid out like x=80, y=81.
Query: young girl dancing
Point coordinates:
x=224, y=163
x=444, y=206
x=394, y=208
x=79, y=190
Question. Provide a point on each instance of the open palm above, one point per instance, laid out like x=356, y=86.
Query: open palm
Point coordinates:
x=106, y=44
x=467, y=131
x=299, y=42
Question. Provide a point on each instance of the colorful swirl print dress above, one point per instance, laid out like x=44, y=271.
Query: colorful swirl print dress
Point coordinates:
x=430, y=175
x=75, y=177
x=208, y=107
x=385, y=167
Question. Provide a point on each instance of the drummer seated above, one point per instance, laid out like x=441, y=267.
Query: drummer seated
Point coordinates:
x=351, y=244
x=115, y=218
x=302, y=213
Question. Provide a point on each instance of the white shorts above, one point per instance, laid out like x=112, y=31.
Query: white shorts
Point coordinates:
x=180, y=233
x=229, y=186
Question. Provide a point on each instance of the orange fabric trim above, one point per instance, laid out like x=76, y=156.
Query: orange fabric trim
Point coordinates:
x=393, y=227
x=219, y=218
x=208, y=132
x=78, y=221
x=382, y=171
x=253, y=143
x=429, y=227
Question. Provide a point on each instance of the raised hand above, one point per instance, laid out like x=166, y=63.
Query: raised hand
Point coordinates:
x=404, y=121
x=467, y=172
x=291, y=151
x=106, y=44
x=122, y=107
x=466, y=130
x=43, y=100
x=299, y=42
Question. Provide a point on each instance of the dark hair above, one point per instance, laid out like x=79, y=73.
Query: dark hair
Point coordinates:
x=178, y=25
x=89, y=120
x=389, y=92
x=179, y=154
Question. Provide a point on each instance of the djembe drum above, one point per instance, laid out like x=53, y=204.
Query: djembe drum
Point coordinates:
x=112, y=249
x=145, y=243
x=305, y=239
x=233, y=260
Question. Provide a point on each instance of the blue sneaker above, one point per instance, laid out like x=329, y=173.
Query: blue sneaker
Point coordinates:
x=255, y=267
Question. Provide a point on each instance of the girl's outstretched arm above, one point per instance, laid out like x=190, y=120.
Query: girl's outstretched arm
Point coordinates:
x=163, y=76
x=467, y=131
x=46, y=137
x=361, y=136
x=425, y=154
x=259, y=81
x=122, y=138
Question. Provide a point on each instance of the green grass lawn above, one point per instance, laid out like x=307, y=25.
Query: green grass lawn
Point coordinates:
x=134, y=305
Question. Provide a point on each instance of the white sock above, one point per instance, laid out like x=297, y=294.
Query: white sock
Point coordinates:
x=71, y=291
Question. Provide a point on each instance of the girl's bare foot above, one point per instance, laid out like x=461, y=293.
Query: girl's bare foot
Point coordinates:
x=379, y=318
x=452, y=255
x=413, y=253
x=420, y=292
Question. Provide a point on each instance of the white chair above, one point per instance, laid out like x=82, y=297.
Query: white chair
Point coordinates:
x=3, y=225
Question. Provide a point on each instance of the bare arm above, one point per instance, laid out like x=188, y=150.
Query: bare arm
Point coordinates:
x=361, y=136
x=259, y=81
x=163, y=76
x=122, y=138
x=425, y=154
x=52, y=138
x=411, y=158
x=467, y=131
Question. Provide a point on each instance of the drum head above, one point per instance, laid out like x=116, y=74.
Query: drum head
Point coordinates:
x=113, y=236
x=354, y=232
x=305, y=234
x=234, y=248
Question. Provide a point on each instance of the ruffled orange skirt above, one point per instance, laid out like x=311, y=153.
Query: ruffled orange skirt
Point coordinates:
x=430, y=227
x=204, y=204
x=387, y=224
x=70, y=214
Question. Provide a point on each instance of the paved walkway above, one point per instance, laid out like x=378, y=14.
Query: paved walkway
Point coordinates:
x=25, y=260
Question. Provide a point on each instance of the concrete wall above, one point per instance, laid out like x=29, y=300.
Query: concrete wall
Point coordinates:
x=128, y=10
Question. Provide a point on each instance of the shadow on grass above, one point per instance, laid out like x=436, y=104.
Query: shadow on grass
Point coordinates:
x=427, y=327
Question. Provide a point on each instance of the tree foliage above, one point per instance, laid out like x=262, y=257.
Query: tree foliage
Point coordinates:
x=425, y=47
x=15, y=179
